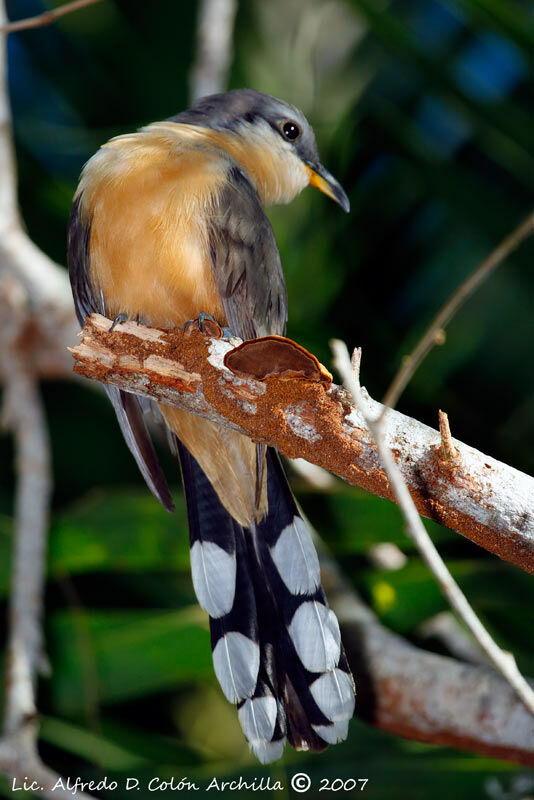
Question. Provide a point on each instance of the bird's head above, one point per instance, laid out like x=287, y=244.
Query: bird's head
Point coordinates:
x=272, y=140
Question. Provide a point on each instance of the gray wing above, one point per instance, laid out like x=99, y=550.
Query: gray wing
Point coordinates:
x=88, y=299
x=246, y=261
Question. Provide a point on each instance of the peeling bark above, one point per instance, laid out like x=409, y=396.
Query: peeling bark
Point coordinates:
x=483, y=499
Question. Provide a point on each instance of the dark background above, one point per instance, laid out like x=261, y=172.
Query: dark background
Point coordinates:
x=423, y=110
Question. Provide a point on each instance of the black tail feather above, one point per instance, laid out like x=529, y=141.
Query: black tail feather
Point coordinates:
x=276, y=645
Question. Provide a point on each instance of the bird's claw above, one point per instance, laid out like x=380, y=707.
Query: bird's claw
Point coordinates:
x=207, y=325
x=118, y=319
x=124, y=317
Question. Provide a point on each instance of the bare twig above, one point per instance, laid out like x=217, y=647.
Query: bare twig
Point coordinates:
x=40, y=20
x=485, y=500
x=434, y=333
x=447, y=629
x=214, y=47
x=504, y=662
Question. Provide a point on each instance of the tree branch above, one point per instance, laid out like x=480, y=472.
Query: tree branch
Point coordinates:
x=403, y=689
x=36, y=313
x=29, y=279
x=214, y=47
x=420, y=695
x=504, y=662
x=24, y=415
x=483, y=499
x=46, y=18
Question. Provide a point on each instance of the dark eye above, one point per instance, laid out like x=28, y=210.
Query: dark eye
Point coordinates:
x=290, y=130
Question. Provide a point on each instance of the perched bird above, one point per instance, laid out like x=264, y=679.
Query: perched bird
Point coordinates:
x=167, y=224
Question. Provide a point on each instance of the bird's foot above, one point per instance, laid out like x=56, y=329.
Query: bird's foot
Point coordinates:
x=118, y=319
x=207, y=325
x=124, y=317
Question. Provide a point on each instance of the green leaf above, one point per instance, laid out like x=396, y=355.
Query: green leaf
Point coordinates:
x=116, y=530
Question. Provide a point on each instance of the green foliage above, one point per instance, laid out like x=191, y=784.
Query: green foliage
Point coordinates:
x=423, y=110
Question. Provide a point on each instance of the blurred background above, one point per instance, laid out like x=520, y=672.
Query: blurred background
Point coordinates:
x=423, y=111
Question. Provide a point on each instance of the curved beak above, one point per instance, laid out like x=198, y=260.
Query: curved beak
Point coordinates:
x=326, y=183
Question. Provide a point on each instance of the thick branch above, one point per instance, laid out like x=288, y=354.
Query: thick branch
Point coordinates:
x=29, y=280
x=504, y=662
x=24, y=415
x=481, y=498
x=36, y=314
x=420, y=695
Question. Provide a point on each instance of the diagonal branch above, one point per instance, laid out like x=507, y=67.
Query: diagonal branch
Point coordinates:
x=46, y=18
x=420, y=695
x=504, y=662
x=476, y=495
x=434, y=333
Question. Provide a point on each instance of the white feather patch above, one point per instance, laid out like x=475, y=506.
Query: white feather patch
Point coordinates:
x=334, y=694
x=295, y=558
x=314, y=630
x=236, y=660
x=267, y=752
x=213, y=571
x=334, y=733
x=258, y=718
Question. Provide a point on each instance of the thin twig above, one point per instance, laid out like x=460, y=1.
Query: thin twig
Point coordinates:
x=503, y=661
x=40, y=20
x=434, y=333
x=214, y=47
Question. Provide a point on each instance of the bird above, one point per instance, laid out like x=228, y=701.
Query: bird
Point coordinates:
x=167, y=226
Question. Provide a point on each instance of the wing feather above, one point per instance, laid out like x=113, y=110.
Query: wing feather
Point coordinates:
x=88, y=299
x=246, y=261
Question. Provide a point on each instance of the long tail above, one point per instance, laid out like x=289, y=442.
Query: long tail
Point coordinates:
x=277, y=649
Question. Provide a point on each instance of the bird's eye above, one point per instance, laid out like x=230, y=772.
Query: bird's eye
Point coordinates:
x=290, y=130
